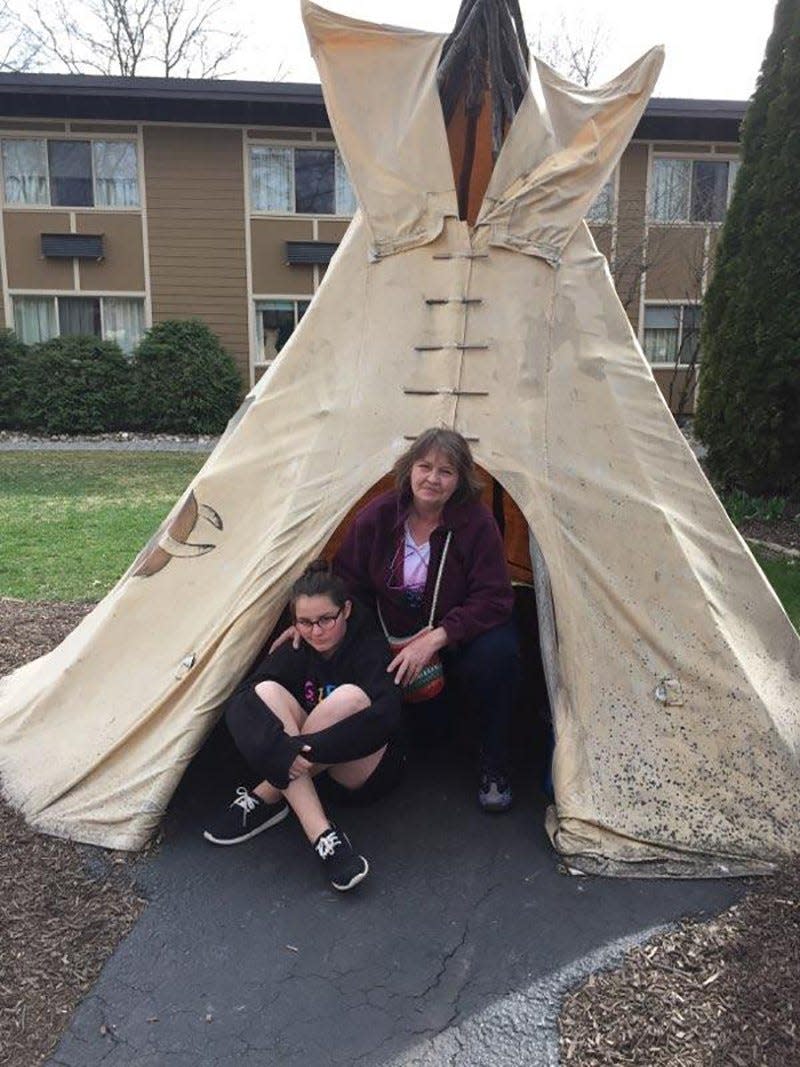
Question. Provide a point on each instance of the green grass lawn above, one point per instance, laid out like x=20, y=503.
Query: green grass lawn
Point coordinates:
x=785, y=578
x=72, y=522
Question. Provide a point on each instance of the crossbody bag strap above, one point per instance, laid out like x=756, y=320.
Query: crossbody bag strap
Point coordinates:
x=435, y=589
x=439, y=578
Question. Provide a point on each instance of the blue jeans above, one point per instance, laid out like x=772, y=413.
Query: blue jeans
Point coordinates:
x=486, y=671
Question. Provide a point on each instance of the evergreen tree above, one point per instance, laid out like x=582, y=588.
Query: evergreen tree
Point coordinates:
x=748, y=410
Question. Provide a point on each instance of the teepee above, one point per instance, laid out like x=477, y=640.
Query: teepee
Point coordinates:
x=672, y=670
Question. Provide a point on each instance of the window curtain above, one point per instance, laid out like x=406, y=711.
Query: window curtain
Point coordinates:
x=671, y=184
x=25, y=171
x=346, y=203
x=272, y=178
x=115, y=174
x=79, y=316
x=661, y=326
x=123, y=322
x=35, y=318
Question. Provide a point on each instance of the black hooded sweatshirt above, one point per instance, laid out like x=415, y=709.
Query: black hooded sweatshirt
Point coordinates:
x=361, y=659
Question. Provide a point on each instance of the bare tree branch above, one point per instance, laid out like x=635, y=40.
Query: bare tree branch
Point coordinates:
x=18, y=49
x=174, y=38
x=574, y=48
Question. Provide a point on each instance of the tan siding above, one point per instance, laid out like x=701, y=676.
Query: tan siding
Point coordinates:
x=271, y=272
x=665, y=147
x=672, y=382
x=602, y=238
x=195, y=208
x=26, y=267
x=99, y=127
x=332, y=231
x=631, y=227
x=32, y=127
x=275, y=133
x=123, y=266
x=675, y=263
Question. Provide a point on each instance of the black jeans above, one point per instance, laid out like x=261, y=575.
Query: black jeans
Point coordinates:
x=486, y=672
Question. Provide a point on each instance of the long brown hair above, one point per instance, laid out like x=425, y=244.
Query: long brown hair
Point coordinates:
x=457, y=450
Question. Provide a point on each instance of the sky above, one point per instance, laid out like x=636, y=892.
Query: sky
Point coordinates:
x=713, y=47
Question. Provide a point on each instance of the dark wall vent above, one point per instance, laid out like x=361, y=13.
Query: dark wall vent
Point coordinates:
x=316, y=253
x=72, y=245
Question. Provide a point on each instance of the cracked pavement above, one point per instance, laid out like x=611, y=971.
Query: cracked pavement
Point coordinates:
x=455, y=950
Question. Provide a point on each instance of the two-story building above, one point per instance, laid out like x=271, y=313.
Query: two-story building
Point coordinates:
x=128, y=201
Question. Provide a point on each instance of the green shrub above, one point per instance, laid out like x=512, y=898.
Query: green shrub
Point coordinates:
x=741, y=506
x=748, y=409
x=75, y=385
x=185, y=381
x=12, y=391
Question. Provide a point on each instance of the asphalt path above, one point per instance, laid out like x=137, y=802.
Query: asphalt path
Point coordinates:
x=455, y=950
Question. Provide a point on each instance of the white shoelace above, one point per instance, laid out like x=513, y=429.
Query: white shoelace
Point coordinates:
x=326, y=846
x=245, y=801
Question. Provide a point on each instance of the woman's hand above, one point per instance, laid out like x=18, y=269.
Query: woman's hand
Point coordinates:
x=410, y=660
x=291, y=633
x=300, y=765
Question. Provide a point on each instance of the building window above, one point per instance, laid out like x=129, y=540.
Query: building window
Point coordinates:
x=114, y=318
x=275, y=323
x=70, y=173
x=306, y=181
x=672, y=334
x=602, y=210
x=691, y=190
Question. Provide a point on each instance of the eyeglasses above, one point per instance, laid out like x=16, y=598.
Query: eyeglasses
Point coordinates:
x=324, y=622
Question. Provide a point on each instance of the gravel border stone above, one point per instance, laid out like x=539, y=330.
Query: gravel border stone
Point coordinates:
x=11, y=441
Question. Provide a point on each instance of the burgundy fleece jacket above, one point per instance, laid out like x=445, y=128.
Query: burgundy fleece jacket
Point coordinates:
x=475, y=593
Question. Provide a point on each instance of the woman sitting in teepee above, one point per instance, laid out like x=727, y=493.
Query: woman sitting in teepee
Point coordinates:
x=326, y=702
x=428, y=556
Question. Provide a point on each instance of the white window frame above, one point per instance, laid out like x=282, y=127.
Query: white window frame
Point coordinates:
x=681, y=305
x=314, y=145
x=292, y=298
x=16, y=294
x=52, y=135
x=733, y=162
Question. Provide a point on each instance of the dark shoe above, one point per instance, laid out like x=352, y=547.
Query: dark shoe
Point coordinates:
x=246, y=817
x=494, y=792
x=344, y=867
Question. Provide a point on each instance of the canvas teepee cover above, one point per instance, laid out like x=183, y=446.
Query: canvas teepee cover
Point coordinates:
x=674, y=674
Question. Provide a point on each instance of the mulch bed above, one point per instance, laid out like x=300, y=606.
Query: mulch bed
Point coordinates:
x=713, y=994
x=63, y=907
x=784, y=532
x=724, y=993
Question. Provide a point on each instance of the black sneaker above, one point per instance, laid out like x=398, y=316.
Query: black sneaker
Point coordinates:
x=344, y=867
x=247, y=816
x=494, y=792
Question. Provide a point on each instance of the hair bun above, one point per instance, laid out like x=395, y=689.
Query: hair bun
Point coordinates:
x=317, y=566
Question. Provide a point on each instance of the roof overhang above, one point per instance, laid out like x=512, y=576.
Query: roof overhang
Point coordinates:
x=78, y=96
x=290, y=104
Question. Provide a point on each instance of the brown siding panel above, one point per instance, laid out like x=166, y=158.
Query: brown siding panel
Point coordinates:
x=631, y=227
x=332, y=231
x=196, y=229
x=271, y=272
x=674, y=383
x=675, y=263
x=27, y=268
x=123, y=266
x=602, y=238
